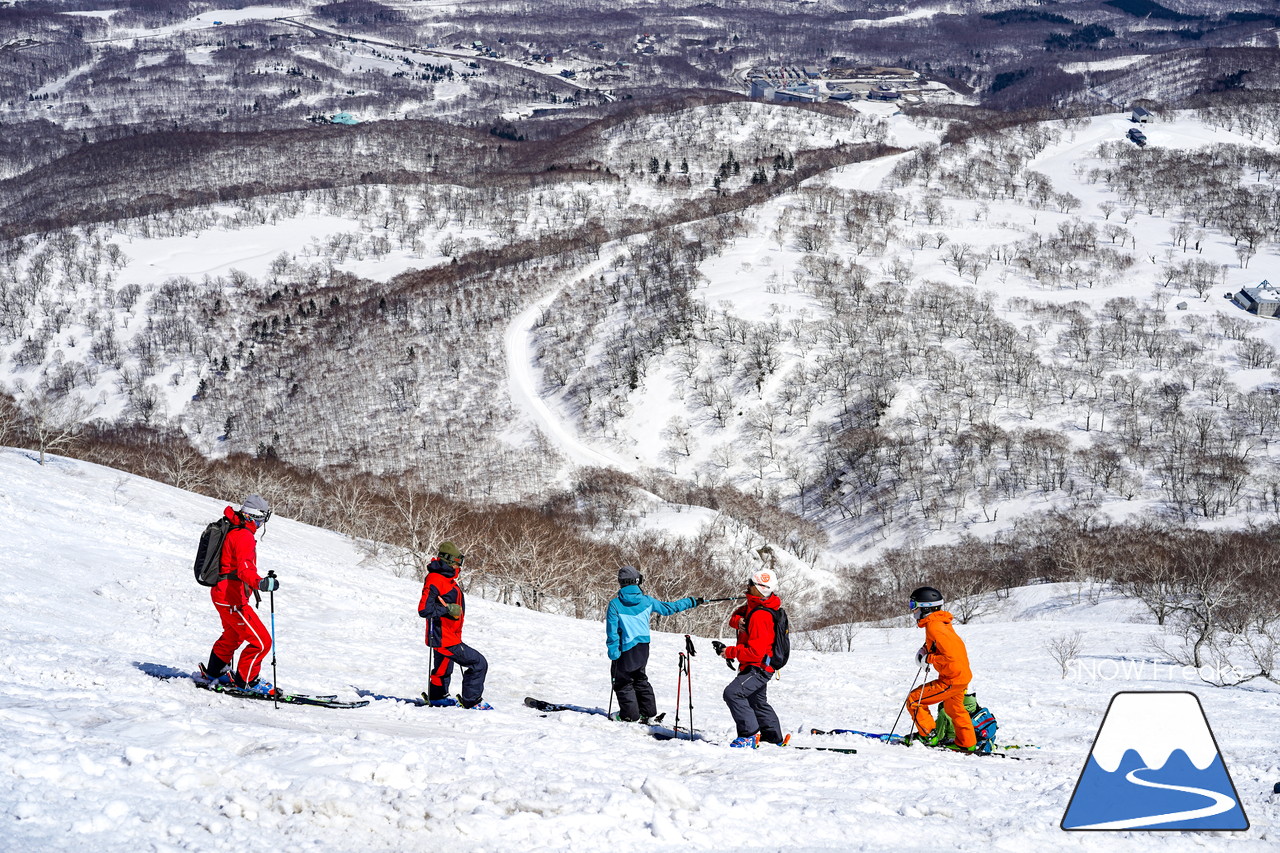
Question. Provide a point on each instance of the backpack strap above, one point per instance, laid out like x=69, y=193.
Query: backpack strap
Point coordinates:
x=238, y=524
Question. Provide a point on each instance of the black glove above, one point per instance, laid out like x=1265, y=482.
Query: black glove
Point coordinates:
x=269, y=584
x=699, y=601
x=719, y=647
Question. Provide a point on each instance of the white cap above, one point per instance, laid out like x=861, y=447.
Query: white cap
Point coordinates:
x=765, y=580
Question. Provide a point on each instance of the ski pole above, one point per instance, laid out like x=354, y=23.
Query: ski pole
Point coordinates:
x=275, y=679
x=691, y=651
x=920, y=698
x=905, y=698
x=730, y=598
x=679, y=683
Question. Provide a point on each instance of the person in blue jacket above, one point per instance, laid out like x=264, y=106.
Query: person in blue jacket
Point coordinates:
x=626, y=634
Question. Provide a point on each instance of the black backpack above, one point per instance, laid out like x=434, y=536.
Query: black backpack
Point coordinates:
x=781, y=639
x=208, y=565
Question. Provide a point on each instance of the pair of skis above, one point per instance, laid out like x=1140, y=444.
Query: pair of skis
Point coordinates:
x=656, y=731
x=167, y=673
x=422, y=700
x=329, y=701
x=901, y=740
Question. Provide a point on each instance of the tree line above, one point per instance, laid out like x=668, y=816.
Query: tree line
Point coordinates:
x=1205, y=589
x=559, y=553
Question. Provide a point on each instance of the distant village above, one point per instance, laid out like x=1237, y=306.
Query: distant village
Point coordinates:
x=837, y=80
x=811, y=83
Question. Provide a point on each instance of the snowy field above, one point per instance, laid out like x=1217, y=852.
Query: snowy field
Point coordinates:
x=96, y=755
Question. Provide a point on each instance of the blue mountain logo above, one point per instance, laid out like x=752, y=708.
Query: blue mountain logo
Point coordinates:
x=1155, y=765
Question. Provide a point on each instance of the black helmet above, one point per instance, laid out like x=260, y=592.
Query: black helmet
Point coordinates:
x=926, y=600
x=628, y=575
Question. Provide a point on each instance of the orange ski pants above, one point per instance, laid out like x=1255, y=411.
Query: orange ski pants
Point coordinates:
x=952, y=698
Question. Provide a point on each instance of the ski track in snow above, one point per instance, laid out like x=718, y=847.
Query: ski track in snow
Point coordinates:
x=97, y=755
x=523, y=384
x=1221, y=803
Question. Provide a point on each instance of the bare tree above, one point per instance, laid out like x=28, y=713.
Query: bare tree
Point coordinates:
x=1064, y=648
x=56, y=422
x=11, y=419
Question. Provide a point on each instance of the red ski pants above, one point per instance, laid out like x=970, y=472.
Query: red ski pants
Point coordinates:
x=240, y=625
x=952, y=698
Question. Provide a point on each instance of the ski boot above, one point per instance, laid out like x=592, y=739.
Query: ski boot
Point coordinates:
x=262, y=688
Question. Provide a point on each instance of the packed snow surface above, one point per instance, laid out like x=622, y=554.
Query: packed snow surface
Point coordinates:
x=95, y=754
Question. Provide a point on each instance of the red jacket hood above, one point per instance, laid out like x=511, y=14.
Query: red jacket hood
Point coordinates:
x=772, y=602
x=238, y=520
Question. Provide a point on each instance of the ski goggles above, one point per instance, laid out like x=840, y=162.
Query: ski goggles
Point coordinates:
x=258, y=518
x=921, y=605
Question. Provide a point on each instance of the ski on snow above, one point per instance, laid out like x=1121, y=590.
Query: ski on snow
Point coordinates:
x=419, y=701
x=331, y=701
x=383, y=697
x=659, y=732
x=167, y=673
x=900, y=740
x=656, y=731
x=551, y=707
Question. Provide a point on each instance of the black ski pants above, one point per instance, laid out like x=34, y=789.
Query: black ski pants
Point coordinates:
x=474, y=667
x=748, y=701
x=635, y=693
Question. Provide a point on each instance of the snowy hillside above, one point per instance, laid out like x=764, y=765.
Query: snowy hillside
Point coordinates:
x=96, y=755
x=837, y=347
x=838, y=342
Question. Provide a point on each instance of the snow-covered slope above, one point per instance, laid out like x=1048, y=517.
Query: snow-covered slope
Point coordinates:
x=97, y=755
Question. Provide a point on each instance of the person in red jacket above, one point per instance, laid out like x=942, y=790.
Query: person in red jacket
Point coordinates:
x=747, y=695
x=945, y=652
x=240, y=623
x=445, y=608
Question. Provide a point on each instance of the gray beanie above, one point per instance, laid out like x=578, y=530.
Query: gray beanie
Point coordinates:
x=255, y=505
x=628, y=575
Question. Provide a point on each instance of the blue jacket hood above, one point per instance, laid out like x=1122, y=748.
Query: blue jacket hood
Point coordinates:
x=631, y=595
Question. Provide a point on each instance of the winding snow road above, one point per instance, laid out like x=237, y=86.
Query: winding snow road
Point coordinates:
x=523, y=384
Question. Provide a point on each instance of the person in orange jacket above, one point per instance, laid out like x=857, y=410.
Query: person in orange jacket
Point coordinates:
x=945, y=652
